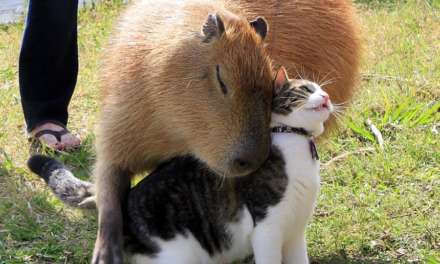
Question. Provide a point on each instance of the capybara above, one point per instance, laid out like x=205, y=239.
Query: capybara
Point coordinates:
x=194, y=77
x=179, y=77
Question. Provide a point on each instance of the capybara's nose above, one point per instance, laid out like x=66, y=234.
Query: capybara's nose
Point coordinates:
x=249, y=160
x=243, y=165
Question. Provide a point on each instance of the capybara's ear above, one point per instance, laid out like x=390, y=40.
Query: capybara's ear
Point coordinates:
x=280, y=80
x=260, y=26
x=213, y=27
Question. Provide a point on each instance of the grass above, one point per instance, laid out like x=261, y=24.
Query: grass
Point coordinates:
x=377, y=205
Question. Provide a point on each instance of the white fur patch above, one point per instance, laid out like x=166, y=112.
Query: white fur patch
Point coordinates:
x=182, y=249
x=241, y=232
x=187, y=250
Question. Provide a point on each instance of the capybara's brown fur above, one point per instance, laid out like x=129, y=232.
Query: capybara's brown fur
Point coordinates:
x=161, y=93
x=171, y=88
x=313, y=39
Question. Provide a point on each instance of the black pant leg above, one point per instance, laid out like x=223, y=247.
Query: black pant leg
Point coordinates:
x=48, y=63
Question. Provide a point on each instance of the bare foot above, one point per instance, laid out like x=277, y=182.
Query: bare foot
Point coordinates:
x=67, y=140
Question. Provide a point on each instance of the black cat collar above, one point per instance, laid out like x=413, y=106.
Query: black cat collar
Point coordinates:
x=300, y=131
x=288, y=129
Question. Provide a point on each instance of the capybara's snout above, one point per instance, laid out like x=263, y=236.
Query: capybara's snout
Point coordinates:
x=249, y=155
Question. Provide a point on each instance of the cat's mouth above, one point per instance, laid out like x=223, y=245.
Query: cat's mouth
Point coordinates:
x=321, y=107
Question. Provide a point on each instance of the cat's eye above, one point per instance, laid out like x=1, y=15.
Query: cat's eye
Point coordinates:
x=306, y=88
x=220, y=81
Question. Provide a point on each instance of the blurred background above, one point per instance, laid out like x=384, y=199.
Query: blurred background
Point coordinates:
x=12, y=10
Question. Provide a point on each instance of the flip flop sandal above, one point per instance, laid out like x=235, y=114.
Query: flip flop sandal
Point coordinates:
x=57, y=134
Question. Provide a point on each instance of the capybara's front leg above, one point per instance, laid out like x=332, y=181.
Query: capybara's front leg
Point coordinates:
x=112, y=184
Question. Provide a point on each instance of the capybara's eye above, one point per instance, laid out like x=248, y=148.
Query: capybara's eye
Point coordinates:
x=220, y=81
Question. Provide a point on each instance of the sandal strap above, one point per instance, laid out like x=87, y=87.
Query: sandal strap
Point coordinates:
x=56, y=134
x=50, y=121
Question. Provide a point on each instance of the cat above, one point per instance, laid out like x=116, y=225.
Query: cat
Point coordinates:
x=184, y=212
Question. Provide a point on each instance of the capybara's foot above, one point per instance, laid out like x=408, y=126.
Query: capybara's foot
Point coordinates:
x=108, y=251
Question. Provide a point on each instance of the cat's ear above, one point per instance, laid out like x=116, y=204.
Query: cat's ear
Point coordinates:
x=281, y=79
x=213, y=27
x=260, y=26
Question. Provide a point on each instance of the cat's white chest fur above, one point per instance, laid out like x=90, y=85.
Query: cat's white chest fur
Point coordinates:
x=280, y=237
x=302, y=169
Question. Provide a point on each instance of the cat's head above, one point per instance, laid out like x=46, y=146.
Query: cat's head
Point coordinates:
x=299, y=103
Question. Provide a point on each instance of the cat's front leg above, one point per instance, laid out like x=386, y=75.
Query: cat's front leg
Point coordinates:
x=267, y=244
x=295, y=251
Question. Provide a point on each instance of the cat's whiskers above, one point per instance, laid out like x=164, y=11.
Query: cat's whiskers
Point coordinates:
x=341, y=104
x=339, y=109
x=222, y=180
x=288, y=97
x=327, y=82
x=293, y=100
x=300, y=93
x=300, y=97
x=299, y=74
x=314, y=78
x=324, y=79
x=301, y=106
x=337, y=113
x=300, y=102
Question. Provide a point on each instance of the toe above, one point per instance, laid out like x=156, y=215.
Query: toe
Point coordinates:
x=50, y=141
x=70, y=141
x=59, y=146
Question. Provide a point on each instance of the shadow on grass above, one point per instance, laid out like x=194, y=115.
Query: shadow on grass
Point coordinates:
x=338, y=259
x=332, y=259
x=35, y=227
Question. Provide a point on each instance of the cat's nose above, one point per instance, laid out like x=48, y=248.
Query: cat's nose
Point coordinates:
x=325, y=97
